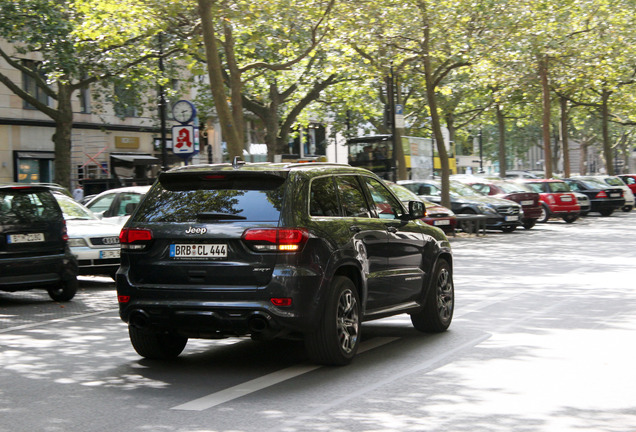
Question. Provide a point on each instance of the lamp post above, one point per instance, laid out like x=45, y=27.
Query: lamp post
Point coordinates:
x=162, y=110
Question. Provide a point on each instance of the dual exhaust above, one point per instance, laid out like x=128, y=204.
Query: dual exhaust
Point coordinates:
x=257, y=322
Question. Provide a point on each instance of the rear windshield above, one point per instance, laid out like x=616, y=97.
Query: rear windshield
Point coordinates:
x=190, y=199
x=25, y=206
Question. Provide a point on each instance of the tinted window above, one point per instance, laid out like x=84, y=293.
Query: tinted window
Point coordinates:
x=386, y=206
x=21, y=206
x=185, y=200
x=352, y=198
x=323, y=199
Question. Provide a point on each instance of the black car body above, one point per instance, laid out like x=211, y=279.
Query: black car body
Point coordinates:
x=604, y=198
x=502, y=214
x=277, y=250
x=33, y=243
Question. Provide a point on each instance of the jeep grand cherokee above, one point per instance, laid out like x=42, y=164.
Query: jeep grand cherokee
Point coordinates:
x=278, y=250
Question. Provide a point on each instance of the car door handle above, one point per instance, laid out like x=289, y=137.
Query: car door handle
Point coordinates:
x=355, y=228
x=392, y=229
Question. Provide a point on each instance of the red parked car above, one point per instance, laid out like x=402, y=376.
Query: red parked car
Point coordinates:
x=518, y=192
x=557, y=200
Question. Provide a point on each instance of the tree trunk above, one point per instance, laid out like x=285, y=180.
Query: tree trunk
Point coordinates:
x=501, y=124
x=62, y=138
x=564, y=137
x=607, y=146
x=215, y=72
x=432, y=104
x=547, y=147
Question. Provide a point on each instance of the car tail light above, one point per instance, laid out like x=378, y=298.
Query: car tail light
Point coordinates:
x=134, y=238
x=551, y=199
x=123, y=298
x=281, y=301
x=64, y=232
x=601, y=194
x=276, y=239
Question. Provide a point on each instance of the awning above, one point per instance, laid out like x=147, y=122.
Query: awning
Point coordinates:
x=35, y=155
x=133, y=160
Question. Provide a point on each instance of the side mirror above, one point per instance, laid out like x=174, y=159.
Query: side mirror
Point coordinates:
x=417, y=210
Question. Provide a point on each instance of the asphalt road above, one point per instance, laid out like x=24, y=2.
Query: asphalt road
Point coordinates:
x=542, y=340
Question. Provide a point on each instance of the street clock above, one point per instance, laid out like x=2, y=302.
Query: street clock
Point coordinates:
x=184, y=111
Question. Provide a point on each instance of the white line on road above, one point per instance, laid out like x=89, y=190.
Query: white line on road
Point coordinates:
x=269, y=380
x=56, y=320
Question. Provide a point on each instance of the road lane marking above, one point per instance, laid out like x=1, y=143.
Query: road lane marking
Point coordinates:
x=56, y=320
x=265, y=381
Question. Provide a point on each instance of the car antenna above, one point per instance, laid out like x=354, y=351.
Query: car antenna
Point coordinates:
x=237, y=162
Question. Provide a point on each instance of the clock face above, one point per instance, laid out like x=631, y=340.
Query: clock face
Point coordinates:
x=183, y=111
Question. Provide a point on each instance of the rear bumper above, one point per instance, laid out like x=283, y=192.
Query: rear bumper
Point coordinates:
x=213, y=312
x=21, y=274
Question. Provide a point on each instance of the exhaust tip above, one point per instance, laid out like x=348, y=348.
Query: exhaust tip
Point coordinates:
x=258, y=323
x=139, y=319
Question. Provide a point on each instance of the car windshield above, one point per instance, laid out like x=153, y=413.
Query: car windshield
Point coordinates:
x=215, y=198
x=73, y=210
x=459, y=189
x=558, y=187
x=594, y=184
x=510, y=187
x=614, y=181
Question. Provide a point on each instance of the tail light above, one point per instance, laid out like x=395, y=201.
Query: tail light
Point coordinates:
x=601, y=194
x=551, y=199
x=64, y=232
x=134, y=238
x=275, y=239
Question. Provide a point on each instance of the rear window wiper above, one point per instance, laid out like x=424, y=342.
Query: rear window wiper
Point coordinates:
x=219, y=216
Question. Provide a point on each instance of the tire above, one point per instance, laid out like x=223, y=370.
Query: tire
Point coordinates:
x=570, y=218
x=156, y=346
x=606, y=212
x=545, y=214
x=627, y=208
x=509, y=229
x=65, y=291
x=529, y=224
x=337, y=338
x=437, y=313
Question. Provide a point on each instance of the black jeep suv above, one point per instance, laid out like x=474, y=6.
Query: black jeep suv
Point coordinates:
x=33, y=243
x=278, y=250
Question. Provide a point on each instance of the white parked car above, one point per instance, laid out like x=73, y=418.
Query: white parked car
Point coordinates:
x=93, y=241
x=628, y=194
x=116, y=205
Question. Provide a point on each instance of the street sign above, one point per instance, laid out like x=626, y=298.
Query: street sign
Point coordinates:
x=183, y=140
x=399, y=116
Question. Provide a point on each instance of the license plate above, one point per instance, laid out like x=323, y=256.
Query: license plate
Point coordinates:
x=615, y=195
x=526, y=203
x=26, y=238
x=198, y=251
x=512, y=218
x=106, y=254
x=441, y=222
x=566, y=198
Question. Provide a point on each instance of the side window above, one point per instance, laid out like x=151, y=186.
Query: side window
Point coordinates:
x=352, y=198
x=485, y=189
x=574, y=186
x=127, y=203
x=102, y=204
x=323, y=200
x=386, y=206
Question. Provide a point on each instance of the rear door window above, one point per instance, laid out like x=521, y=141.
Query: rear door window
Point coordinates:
x=354, y=204
x=323, y=200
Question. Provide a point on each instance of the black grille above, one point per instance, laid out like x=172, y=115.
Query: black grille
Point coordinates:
x=105, y=241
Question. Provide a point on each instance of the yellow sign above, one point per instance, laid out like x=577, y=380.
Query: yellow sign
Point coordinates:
x=127, y=142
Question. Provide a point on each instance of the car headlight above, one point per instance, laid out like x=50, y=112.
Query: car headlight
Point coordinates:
x=486, y=209
x=77, y=242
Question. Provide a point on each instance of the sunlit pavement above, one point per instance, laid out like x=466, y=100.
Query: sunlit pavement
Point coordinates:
x=542, y=340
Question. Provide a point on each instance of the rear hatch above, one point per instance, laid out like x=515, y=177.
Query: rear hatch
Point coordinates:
x=199, y=230
x=31, y=226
